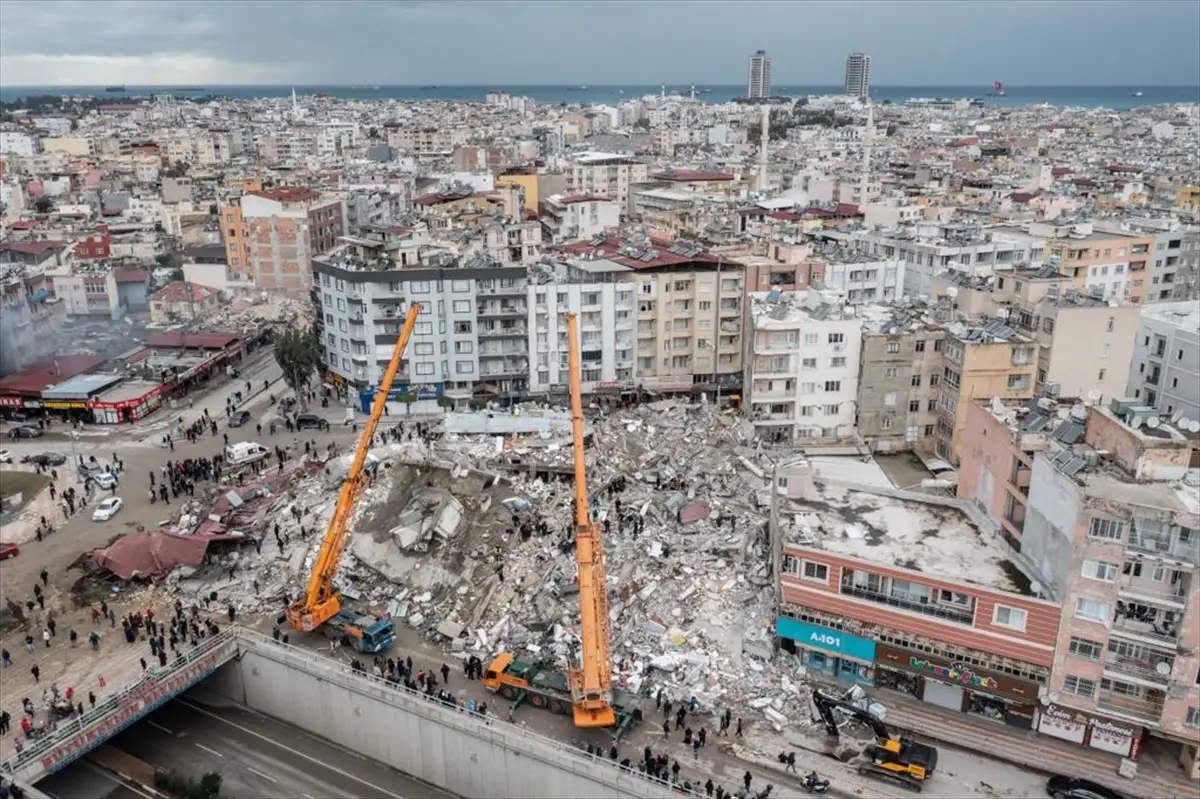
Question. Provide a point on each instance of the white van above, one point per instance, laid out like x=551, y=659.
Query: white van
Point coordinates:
x=242, y=452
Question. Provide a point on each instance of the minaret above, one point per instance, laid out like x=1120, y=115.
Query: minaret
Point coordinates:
x=762, y=147
x=865, y=178
x=295, y=106
x=693, y=91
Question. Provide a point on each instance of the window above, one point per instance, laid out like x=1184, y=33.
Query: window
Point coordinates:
x=1101, y=374
x=462, y=327
x=1020, y=382
x=460, y=286
x=891, y=371
x=1091, y=610
x=914, y=406
x=423, y=348
x=464, y=368
x=808, y=388
x=424, y=368
x=1099, y=570
x=420, y=287
x=1083, y=648
x=919, y=346
x=1013, y=618
x=818, y=572
x=1110, y=324
x=833, y=385
x=915, y=382
x=808, y=363
x=790, y=565
x=954, y=598
x=811, y=339
x=934, y=380
x=1107, y=529
x=893, y=346
x=1078, y=686
x=462, y=306
x=464, y=347
x=837, y=363
x=836, y=338
x=1193, y=717
x=889, y=399
x=424, y=328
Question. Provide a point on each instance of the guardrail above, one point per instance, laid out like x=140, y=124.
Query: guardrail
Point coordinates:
x=561, y=755
x=77, y=736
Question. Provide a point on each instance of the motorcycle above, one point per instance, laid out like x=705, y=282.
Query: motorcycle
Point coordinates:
x=814, y=784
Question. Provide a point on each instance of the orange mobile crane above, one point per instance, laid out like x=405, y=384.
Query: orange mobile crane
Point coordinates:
x=587, y=689
x=321, y=603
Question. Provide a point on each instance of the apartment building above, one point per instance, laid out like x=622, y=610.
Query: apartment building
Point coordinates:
x=758, y=75
x=30, y=316
x=802, y=362
x=514, y=242
x=858, y=75
x=1110, y=264
x=272, y=236
x=471, y=334
x=607, y=175
x=899, y=373
x=690, y=304
x=1175, y=265
x=1165, y=369
x=425, y=141
x=572, y=217
x=861, y=278
x=600, y=292
x=991, y=359
x=1113, y=525
x=928, y=249
x=910, y=595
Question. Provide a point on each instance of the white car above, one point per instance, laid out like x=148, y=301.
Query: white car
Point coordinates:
x=107, y=509
x=5, y=456
x=105, y=481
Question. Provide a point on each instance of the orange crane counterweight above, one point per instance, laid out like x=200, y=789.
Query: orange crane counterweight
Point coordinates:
x=320, y=602
x=591, y=683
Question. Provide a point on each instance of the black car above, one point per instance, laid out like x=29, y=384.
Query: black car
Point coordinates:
x=24, y=431
x=239, y=418
x=305, y=421
x=45, y=459
x=1061, y=787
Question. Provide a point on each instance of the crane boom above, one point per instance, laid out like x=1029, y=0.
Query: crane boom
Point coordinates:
x=591, y=683
x=320, y=601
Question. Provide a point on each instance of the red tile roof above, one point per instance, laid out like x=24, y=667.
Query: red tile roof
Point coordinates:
x=204, y=341
x=965, y=141
x=1059, y=171
x=41, y=376
x=437, y=198
x=131, y=275
x=31, y=225
x=288, y=194
x=177, y=291
x=33, y=247
x=659, y=244
x=692, y=175
x=1023, y=196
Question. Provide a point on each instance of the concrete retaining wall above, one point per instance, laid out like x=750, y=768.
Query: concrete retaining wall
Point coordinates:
x=454, y=751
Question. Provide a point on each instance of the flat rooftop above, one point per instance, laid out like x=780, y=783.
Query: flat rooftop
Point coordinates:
x=934, y=539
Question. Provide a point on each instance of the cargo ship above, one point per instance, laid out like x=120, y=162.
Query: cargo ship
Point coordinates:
x=115, y=89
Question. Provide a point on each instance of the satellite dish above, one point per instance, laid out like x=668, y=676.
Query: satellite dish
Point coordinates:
x=1094, y=397
x=1193, y=426
x=1182, y=422
x=1163, y=668
x=1152, y=422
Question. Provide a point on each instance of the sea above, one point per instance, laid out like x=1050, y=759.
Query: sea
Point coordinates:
x=1115, y=97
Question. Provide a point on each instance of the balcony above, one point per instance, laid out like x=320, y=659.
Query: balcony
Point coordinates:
x=1146, y=668
x=956, y=616
x=502, y=309
x=1146, y=708
x=1135, y=589
x=1146, y=630
x=1166, y=546
x=503, y=332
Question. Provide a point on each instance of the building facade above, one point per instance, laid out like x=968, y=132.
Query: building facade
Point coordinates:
x=272, y=236
x=858, y=75
x=899, y=373
x=758, y=75
x=1165, y=369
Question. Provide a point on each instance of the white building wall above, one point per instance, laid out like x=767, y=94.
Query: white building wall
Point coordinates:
x=548, y=305
x=1170, y=381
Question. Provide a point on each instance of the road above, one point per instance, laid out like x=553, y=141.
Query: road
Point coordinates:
x=255, y=756
x=83, y=780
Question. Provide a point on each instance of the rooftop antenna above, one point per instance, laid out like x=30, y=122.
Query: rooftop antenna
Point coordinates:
x=763, y=145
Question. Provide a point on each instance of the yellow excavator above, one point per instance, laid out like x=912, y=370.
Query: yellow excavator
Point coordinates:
x=321, y=603
x=586, y=691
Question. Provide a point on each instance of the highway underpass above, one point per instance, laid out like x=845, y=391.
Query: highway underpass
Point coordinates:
x=266, y=713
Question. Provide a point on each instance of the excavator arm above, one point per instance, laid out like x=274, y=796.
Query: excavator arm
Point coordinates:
x=825, y=707
x=591, y=682
x=319, y=602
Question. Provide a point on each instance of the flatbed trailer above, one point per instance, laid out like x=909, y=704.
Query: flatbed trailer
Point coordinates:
x=521, y=681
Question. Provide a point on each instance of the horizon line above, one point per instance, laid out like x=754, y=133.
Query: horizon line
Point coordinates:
x=606, y=85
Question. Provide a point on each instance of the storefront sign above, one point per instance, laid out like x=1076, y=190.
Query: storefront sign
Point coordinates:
x=817, y=637
x=671, y=383
x=64, y=405
x=1116, y=737
x=955, y=672
x=12, y=402
x=1063, y=722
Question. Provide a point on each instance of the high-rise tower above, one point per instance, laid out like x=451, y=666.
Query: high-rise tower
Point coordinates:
x=858, y=74
x=758, y=80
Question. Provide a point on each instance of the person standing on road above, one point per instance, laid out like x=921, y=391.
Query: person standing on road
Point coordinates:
x=45, y=575
x=46, y=637
x=5, y=658
x=36, y=672
x=445, y=674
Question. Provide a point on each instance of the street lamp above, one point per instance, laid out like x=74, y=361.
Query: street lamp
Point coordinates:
x=74, y=436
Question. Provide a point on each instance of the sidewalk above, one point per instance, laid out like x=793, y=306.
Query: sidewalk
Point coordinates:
x=1029, y=749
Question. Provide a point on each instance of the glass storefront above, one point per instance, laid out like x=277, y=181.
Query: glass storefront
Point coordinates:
x=835, y=654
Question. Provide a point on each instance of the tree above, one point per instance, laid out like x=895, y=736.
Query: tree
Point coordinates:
x=408, y=399
x=298, y=354
x=445, y=403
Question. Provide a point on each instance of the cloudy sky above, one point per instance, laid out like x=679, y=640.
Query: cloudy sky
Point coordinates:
x=921, y=42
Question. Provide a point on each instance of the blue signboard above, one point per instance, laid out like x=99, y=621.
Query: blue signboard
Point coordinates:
x=424, y=391
x=816, y=637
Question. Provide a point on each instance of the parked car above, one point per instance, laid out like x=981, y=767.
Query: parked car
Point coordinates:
x=44, y=459
x=239, y=418
x=305, y=421
x=8, y=551
x=107, y=509
x=25, y=431
x=5, y=456
x=1061, y=787
x=93, y=469
x=105, y=480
